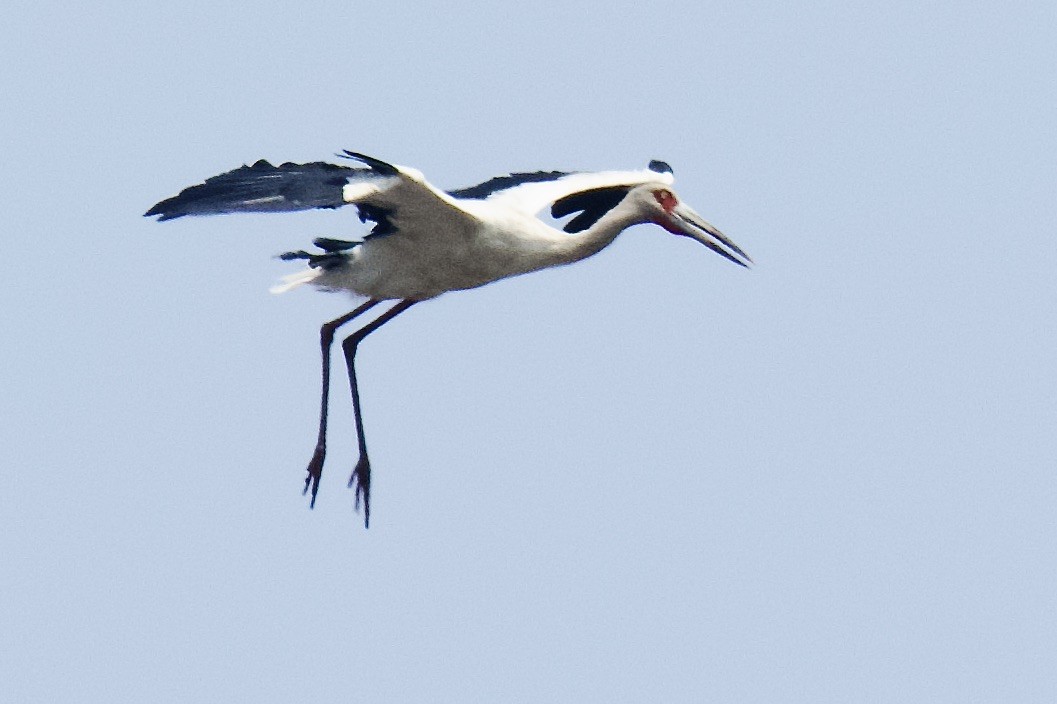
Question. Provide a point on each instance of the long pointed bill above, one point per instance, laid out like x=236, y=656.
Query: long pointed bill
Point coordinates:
x=684, y=221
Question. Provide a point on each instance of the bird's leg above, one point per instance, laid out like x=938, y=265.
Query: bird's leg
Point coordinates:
x=361, y=475
x=326, y=338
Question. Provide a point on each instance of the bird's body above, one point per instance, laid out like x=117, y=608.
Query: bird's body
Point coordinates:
x=465, y=253
x=426, y=241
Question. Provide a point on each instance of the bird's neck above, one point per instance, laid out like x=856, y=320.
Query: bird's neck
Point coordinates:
x=594, y=239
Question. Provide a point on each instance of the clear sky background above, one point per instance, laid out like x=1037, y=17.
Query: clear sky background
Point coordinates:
x=650, y=476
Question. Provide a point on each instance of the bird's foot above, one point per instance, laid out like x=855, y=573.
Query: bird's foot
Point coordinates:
x=361, y=482
x=315, y=471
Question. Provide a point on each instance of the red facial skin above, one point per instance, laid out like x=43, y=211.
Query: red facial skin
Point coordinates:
x=666, y=199
x=668, y=202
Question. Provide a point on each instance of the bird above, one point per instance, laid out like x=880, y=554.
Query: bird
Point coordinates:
x=425, y=241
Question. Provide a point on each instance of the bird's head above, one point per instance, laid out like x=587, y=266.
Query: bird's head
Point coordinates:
x=659, y=204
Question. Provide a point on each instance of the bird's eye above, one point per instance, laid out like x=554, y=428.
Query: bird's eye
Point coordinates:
x=666, y=198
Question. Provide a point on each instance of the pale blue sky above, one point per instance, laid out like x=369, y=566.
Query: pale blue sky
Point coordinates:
x=651, y=476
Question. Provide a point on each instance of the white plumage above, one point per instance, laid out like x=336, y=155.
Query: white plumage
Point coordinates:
x=426, y=241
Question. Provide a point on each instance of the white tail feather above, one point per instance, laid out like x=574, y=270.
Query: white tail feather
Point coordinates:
x=296, y=279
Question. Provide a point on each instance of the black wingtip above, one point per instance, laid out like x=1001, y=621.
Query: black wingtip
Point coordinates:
x=660, y=167
x=164, y=210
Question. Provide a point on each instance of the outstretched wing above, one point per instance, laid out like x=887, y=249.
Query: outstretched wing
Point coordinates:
x=530, y=193
x=397, y=199
x=263, y=188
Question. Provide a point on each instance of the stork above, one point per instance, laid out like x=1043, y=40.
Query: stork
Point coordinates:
x=425, y=241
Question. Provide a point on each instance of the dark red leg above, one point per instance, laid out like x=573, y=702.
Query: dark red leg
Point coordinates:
x=361, y=475
x=326, y=338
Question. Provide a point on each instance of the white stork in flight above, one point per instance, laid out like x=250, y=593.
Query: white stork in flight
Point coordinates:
x=426, y=241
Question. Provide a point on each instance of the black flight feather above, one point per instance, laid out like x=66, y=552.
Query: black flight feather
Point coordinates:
x=592, y=205
x=329, y=244
x=263, y=188
x=377, y=165
x=501, y=183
